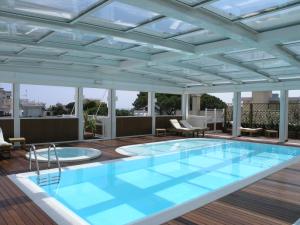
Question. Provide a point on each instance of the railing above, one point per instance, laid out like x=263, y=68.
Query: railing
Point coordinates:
x=47, y=180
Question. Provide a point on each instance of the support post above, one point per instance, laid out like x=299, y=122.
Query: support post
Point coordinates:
x=16, y=109
x=151, y=110
x=236, y=125
x=284, y=108
x=185, y=106
x=79, y=112
x=112, y=113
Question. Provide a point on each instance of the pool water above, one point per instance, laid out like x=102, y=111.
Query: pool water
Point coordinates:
x=124, y=192
x=150, y=149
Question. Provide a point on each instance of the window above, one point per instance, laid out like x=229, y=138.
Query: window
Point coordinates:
x=5, y=100
x=53, y=8
x=44, y=101
x=128, y=103
x=233, y=8
x=199, y=37
x=120, y=15
x=95, y=101
x=167, y=27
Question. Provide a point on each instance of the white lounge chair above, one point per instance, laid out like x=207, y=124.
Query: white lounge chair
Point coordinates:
x=186, y=124
x=4, y=146
x=179, y=129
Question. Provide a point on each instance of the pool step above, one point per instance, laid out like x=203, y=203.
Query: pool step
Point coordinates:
x=44, y=181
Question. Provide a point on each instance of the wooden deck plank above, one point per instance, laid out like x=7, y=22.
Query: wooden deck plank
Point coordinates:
x=273, y=200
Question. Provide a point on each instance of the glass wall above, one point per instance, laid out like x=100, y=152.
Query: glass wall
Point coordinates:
x=5, y=100
x=46, y=101
x=131, y=103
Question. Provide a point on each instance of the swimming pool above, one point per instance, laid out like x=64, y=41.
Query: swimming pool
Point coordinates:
x=152, y=190
x=67, y=154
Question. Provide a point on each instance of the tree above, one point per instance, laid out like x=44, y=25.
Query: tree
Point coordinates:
x=58, y=109
x=166, y=103
x=211, y=102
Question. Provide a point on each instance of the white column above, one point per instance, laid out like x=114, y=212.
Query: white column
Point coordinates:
x=151, y=110
x=112, y=113
x=284, y=109
x=16, y=109
x=236, y=131
x=185, y=106
x=79, y=112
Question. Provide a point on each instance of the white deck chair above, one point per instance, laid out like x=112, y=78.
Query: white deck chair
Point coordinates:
x=197, y=129
x=2, y=141
x=176, y=125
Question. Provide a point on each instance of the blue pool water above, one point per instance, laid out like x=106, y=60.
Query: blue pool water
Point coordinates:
x=122, y=192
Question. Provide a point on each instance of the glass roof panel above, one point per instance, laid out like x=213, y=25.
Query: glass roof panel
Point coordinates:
x=270, y=64
x=39, y=51
x=295, y=48
x=113, y=42
x=146, y=49
x=199, y=37
x=226, y=68
x=72, y=37
x=21, y=29
x=274, y=20
x=249, y=55
x=282, y=71
x=191, y=2
x=121, y=14
x=53, y=8
x=9, y=48
x=239, y=8
x=203, y=61
x=167, y=27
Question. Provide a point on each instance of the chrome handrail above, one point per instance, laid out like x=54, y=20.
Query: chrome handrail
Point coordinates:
x=33, y=149
x=52, y=146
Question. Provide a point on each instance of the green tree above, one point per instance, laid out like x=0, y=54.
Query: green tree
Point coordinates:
x=211, y=102
x=58, y=109
x=124, y=112
x=141, y=101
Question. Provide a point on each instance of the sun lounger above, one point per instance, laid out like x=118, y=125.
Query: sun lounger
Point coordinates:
x=179, y=129
x=5, y=147
x=197, y=129
x=251, y=131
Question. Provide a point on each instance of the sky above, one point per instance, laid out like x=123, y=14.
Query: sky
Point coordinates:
x=54, y=94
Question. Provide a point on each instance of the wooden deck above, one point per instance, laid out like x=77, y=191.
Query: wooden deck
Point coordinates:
x=272, y=200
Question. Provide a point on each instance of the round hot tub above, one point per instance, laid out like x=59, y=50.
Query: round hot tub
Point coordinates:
x=67, y=154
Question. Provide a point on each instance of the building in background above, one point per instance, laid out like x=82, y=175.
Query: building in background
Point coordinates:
x=31, y=108
x=5, y=103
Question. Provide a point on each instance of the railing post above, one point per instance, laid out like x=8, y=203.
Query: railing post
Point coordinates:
x=284, y=108
x=112, y=98
x=79, y=112
x=251, y=115
x=215, y=120
x=151, y=110
x=236, y=125
x=16, y=109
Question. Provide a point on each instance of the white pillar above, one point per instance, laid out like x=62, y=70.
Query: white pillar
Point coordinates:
x=284, y=120
x=16, y=109
x=236, y=125
x=185, y=106
x=112, y=112
x=151, y=110
x=79, y=112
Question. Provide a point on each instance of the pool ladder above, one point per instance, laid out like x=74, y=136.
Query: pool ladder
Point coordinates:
x=47, y=180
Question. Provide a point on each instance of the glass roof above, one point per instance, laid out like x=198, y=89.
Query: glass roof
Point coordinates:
x=249, y=55
x=295, y=48
x=15, y=29
x=167, y=27
x=120, y=14
x=72, y=37
x=191, y=2
x=199, y=37
x=51, y=8
x=273, y=63
x=134, y=33
x=240, y=8
x=112, y=42
x=274, y=20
